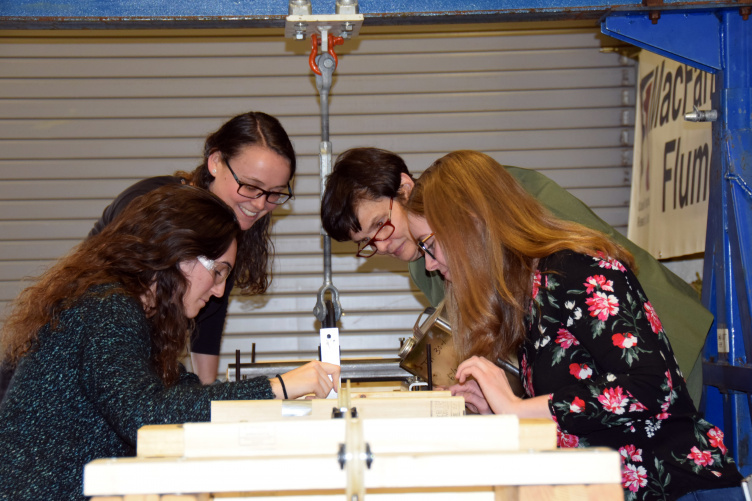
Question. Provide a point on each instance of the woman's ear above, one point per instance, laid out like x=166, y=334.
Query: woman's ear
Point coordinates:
x=406, y=186
x=215, y=160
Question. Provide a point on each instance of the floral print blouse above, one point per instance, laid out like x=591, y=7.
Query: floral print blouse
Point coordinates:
x=597, y=348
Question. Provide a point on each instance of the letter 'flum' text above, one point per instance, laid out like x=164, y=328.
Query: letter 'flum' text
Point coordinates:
x=685, y=179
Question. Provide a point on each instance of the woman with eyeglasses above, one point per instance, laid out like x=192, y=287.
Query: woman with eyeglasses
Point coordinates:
x=249, y=163
x=96, y=342
x=592, y=352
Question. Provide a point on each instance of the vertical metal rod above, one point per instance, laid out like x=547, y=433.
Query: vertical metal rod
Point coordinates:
x=327, y=65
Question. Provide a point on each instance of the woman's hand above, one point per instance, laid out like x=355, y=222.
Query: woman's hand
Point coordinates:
x=474, y=399
x=492, y=387
x=314, y=377
x=497, y=392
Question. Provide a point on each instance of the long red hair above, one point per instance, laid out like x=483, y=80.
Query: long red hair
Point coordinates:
x=492, y=233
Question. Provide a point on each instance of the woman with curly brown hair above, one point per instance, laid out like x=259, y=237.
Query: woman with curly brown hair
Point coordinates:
x=562, y=298
x=249, y=163
x=96, y=343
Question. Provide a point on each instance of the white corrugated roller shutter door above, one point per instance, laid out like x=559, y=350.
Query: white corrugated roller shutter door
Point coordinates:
x=82, y=116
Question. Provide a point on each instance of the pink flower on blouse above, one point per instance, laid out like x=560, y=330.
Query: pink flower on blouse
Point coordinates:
x=580, y=371
x=577, y=405
x=624, y=341
x=566, y=339
x=609, y=263
x=565, y=440
x=630, y=452
x=602, y=306
x=536, y=283
x=637, y=407
x=664, y=408
x=716, y=439
x=701, y=458
x=655, y=322
x=613, y=400
x=598, y=282
x=633, y=477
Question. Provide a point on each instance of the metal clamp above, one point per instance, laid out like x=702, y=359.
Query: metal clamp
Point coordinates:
x=299, y=25
x=331, y=42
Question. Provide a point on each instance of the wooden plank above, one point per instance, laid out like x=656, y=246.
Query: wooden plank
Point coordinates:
x=506, y=493
x=356, y=394
x=160, y=440
x=148, y=476
x=229, y=411
x=308, y=436
x=447, y=494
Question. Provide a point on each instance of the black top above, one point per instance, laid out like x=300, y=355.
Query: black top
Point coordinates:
x=597, y=348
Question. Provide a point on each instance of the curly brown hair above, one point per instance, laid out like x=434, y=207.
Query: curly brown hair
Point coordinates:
x=140, y=253
x=252, y=274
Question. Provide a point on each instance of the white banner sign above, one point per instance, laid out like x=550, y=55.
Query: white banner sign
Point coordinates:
x=671, y=165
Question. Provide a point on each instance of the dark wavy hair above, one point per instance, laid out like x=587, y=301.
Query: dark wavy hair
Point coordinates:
x=358, y=174
x=141, y=248
x=252, y=272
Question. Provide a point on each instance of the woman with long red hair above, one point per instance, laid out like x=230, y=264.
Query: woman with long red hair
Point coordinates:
x=563, y=300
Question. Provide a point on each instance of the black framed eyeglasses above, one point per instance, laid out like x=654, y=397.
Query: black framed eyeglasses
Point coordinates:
x=253, y=192
x=425, y=248
x=385, y=231
x=219, y=269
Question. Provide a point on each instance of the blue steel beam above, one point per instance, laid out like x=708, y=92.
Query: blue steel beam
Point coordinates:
x=719, y=41
x=103, y=14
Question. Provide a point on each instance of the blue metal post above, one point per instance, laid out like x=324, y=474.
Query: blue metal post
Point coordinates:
x=727, y=372
x=719, y=41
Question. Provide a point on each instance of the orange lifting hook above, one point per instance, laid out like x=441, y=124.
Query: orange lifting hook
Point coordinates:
x=315, y=50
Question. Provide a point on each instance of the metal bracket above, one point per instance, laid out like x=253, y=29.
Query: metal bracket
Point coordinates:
x=340, y=25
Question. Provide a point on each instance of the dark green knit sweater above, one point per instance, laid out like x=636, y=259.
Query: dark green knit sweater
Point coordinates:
x=84, y=393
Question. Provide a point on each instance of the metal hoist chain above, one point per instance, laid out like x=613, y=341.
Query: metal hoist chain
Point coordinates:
x=327, y=311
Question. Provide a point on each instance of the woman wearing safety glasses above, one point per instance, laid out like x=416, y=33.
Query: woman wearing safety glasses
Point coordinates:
x=249, y=163
x=96, y=342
